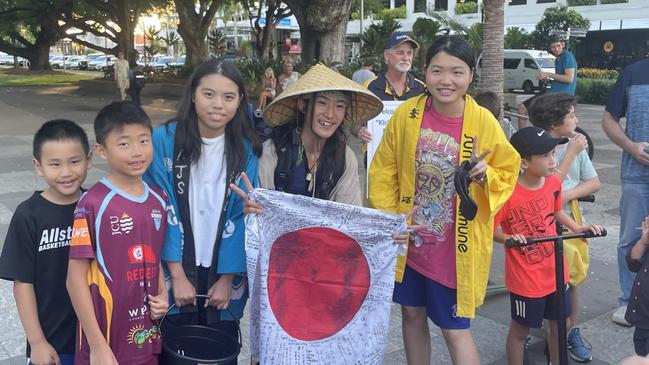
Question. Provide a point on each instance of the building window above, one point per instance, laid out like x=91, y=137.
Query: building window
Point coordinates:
x=517, y=2
x=441, y=5
x=420, y=6
x=545, y=1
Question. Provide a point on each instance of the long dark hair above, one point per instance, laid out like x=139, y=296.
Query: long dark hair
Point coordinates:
x=331, y=163
x=187, y=133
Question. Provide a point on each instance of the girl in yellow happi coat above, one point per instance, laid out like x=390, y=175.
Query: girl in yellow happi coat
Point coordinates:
x=444, y=274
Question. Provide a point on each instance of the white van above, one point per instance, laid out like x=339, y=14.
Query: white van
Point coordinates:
x=522, y=67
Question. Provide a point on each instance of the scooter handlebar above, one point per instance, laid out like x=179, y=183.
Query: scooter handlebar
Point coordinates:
x=510, y=243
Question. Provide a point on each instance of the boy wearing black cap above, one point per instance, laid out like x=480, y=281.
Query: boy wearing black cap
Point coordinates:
x=531, y=212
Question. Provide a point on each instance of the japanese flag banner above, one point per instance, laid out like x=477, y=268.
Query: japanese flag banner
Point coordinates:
x=321, y=276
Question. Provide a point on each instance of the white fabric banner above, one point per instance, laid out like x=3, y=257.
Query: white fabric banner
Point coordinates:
x=321, y=276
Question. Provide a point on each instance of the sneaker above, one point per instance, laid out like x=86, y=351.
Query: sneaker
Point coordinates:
x=579, y=349
x=618, y=316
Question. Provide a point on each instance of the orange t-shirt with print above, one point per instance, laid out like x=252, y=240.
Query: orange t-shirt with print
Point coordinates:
x=529, y=270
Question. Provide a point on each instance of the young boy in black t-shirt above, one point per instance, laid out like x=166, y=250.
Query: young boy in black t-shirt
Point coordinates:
x=35, y=252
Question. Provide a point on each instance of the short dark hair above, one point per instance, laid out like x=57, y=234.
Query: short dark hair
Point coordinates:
x=59, y=130
x=490, y=101
x=116, y=115
x=549, y=110
x=369, y=61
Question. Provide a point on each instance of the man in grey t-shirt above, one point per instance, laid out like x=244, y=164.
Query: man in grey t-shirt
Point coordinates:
x=364, y=73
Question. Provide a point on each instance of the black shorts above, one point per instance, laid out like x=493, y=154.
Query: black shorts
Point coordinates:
x=530, y=311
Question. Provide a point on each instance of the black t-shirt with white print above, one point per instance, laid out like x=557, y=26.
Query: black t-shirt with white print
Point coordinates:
x=36, y=251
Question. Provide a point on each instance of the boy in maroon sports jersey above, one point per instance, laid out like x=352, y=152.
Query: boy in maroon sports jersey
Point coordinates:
x=115, y=280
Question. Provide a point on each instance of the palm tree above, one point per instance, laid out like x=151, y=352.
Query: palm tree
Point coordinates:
x=491, y=75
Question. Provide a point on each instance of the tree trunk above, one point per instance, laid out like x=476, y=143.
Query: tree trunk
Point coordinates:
x=491, y=75
x=193, y=28
x=39, y=57
x=323, y=25
x=266, y=42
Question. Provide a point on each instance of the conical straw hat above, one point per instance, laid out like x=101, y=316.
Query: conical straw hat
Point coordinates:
x=363, y=107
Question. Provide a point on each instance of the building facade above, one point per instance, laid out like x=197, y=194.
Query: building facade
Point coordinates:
x=618, y=34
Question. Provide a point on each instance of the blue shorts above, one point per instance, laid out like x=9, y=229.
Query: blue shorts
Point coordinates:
x=530, y=311
x=66, y=359
x=440, y=301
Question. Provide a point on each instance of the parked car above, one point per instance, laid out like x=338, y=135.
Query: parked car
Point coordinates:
x=179, y=63
x=73, y=62
x=83, y=64
x=162, y=63
x=522, y=67
x=6, y=59
x=102, y=63
x=57, y=61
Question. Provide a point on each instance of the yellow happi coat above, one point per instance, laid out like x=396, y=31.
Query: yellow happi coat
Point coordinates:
x=392, y=188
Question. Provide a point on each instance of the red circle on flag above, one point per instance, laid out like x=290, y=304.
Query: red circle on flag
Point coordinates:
x=318, y=279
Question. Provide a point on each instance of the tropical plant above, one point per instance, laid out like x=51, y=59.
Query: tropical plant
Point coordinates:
x=376, y=35
x=171, y=40
x=452, y=25
x=216, y=39
x=151, y=38
x=517, y=38
x=425, y=31
x=466, y=7
x=474, y=36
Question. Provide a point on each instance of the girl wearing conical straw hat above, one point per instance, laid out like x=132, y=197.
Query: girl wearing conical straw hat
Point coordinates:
x=307, y=153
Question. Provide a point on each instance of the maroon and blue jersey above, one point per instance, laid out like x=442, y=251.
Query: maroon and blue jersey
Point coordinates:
x=122, y=235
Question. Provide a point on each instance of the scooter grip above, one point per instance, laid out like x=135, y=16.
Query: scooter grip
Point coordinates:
x=589, y=234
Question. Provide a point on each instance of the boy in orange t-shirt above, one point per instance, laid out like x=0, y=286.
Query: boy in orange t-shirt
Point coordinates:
x=532, y=211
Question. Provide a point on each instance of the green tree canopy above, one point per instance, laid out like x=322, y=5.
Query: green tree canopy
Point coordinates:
x=517, y=38
x=28, y=28
x=556, y=19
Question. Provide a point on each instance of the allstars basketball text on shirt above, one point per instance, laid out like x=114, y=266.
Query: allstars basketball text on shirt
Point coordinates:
x=55, y=238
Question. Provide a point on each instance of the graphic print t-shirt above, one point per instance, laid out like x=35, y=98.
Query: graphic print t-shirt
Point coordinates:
x=122, y=235
x=431, y=251
x=529, y=271
x=36, y=252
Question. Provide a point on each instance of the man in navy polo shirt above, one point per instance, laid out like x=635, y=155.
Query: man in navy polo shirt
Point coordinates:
x=630, y=99
x=396, y=83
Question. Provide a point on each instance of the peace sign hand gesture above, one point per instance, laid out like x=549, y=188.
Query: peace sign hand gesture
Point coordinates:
x=479, y=171
x=249, y=206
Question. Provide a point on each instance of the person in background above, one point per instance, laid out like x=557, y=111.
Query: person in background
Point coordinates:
x=629, y=99
x=137, y=80
x=489, y=100
x=396, y=83
x=288, y=76
x=121, y=74
x=365, y=72
x=564, y=78
x=268, y=86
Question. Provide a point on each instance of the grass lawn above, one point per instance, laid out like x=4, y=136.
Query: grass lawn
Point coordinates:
x=50, y=78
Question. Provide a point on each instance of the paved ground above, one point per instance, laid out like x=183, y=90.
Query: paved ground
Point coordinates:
x=22, y=110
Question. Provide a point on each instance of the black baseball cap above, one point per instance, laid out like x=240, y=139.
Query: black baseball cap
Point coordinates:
x=398, y=38
x=534, y=141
